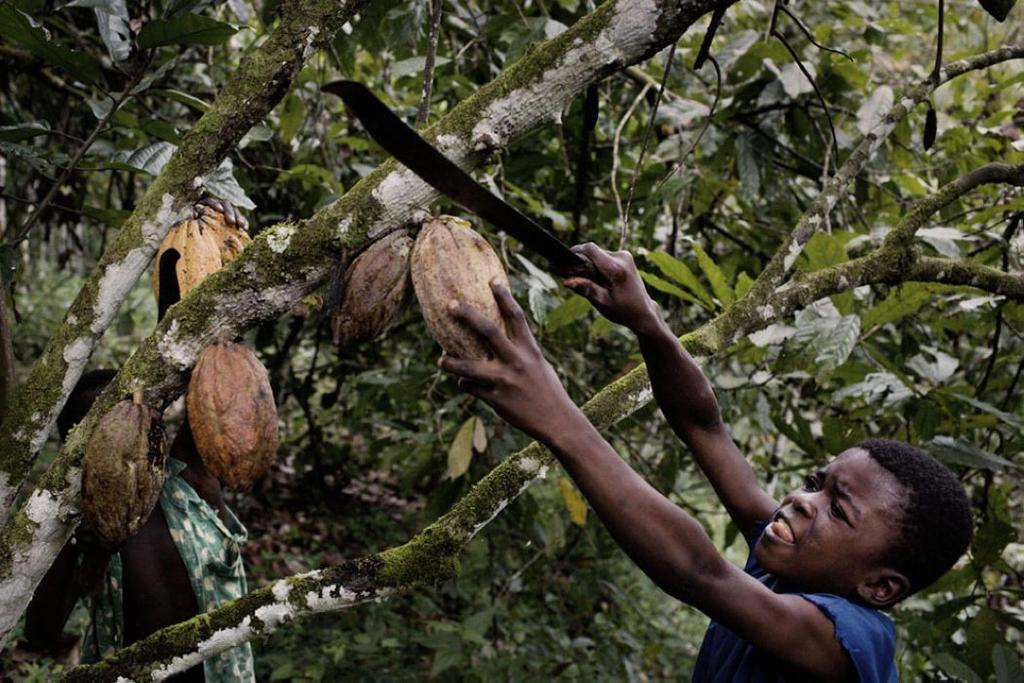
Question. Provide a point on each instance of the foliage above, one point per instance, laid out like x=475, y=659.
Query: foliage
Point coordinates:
x=544, y=591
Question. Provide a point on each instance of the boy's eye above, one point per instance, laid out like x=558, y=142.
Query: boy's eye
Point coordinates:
x=837, y=510
x=810, y=483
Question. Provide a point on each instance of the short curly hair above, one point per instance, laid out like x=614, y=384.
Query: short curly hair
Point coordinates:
x=937, y=523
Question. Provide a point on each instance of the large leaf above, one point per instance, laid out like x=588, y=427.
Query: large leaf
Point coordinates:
x=222, y=183
x=719, y=283
x=667, y=287
x=112, y=21
x=460, y=453
x=187, y=29
x=954, y=452
x=24, y=131
x=150, y=159
x=569, y=311
x=680, y=272
x=20, y=29
x=574, y=502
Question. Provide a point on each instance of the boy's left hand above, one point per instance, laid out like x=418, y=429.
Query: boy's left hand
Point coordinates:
x=518, y=382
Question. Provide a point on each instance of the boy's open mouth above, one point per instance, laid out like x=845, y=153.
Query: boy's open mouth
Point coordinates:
x=782, y=530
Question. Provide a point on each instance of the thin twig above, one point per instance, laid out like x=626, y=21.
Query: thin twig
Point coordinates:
x=800, y=24
x=814, y=84
x=615, y=150
x=69, y=169
x=428, y=67
x=936, y=72
x=643, y=146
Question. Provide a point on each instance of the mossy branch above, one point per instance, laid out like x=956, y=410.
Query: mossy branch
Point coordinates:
x=258, y=84
x=289, y=260
x=432, y=556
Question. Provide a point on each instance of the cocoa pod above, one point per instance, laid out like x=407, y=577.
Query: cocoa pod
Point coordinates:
x=122, y=471
x=450, y=261
x=376, y=286
x=232, y=414
x=191, y=250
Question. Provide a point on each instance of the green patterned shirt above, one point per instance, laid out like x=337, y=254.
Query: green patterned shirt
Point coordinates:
x=211, y=551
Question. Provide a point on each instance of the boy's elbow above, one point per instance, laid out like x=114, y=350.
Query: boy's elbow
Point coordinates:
x=698, y=577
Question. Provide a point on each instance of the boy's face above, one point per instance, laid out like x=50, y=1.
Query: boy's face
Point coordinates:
x=833, y=534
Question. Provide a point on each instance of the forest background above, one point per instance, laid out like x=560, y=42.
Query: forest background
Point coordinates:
x=796, y=155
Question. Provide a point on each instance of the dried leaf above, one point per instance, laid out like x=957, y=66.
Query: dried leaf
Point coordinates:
x=574, y=502
x=460, y=453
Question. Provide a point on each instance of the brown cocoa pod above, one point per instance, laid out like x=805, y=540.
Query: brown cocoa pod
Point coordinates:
x=376, y=286
x=451, y=261
x=191, y=250
x=232, y=414
x=122, y=471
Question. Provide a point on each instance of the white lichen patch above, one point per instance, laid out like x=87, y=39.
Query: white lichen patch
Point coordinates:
x=218, y=642
x=343, y=227
x=281, y=589
x=766, y=312
x=280, y=237
x=642, y=397
x=795, y=248
x=180, y=354
x=330, y=598
x=530, y=465
x=198, y=182
x=274, y=614
x=449, y=143
x=122, y=679
x=502, y=504
x=47, y=531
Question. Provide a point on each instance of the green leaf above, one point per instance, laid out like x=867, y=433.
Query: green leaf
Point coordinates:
x=719, y=285
x=567, y=312
x=996, y=532
x=187, y=29
x=680, y=272
x=190, y=101
x=460, y=453
x=222, y=183
x=1007, y=665
x=669, y=288
x=415, y=65
x=20, y=29
x=901, y=302
x=24, y=131
x=834, y=346
x=150, y=159
x=982, y=636
x=1005, y=417
x=293, y=114
x=743, y=284
x=954, y=452
x=955, y=668
x=574, y=502
x=112, y=21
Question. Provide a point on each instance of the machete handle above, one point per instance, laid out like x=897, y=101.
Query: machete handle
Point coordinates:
x=584, y=268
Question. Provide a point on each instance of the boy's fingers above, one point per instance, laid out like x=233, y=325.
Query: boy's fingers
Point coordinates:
x=605, y=263
x=482, y=325
x=511, y=311
x=594, y=293
x=476, y=371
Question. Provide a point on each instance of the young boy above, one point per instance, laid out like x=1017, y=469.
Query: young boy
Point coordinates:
x=879, y=522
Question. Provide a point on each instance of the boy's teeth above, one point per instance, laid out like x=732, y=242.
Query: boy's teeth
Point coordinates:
x=782, y=530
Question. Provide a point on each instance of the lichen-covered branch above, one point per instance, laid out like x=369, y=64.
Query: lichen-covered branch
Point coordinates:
x=289, y=260
x=260, y=81
x=432, y=555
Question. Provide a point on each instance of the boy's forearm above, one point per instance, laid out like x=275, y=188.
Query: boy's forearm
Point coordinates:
x=680, y=387
x=666, y=543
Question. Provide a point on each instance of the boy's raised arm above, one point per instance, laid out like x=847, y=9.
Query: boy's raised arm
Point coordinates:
x=667, y=544
x=682, y=391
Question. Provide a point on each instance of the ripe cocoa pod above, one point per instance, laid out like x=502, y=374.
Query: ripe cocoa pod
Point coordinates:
x=450, y=261
x=232, y=414
x=376, y=286
x=191, y=250
x=122, y=471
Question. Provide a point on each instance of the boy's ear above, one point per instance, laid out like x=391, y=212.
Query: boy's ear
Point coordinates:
x=883, y=588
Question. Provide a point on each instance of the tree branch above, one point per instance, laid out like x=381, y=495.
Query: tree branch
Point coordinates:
x=286, y=262
x=257, y=85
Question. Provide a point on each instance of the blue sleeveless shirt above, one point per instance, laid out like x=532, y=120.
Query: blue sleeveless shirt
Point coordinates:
x=866, y=635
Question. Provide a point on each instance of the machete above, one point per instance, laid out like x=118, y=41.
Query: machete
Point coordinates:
x=420, y=157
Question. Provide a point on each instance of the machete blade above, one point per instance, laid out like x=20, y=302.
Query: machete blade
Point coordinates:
x=420, y=157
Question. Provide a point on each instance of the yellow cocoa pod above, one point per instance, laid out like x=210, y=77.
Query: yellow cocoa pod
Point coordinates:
x=232, y=414
x=191, y=250
x=122, y=471
x=376, y=286
x=451, y=261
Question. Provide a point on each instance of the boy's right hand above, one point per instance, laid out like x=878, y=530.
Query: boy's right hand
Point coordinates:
x=624, y=298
